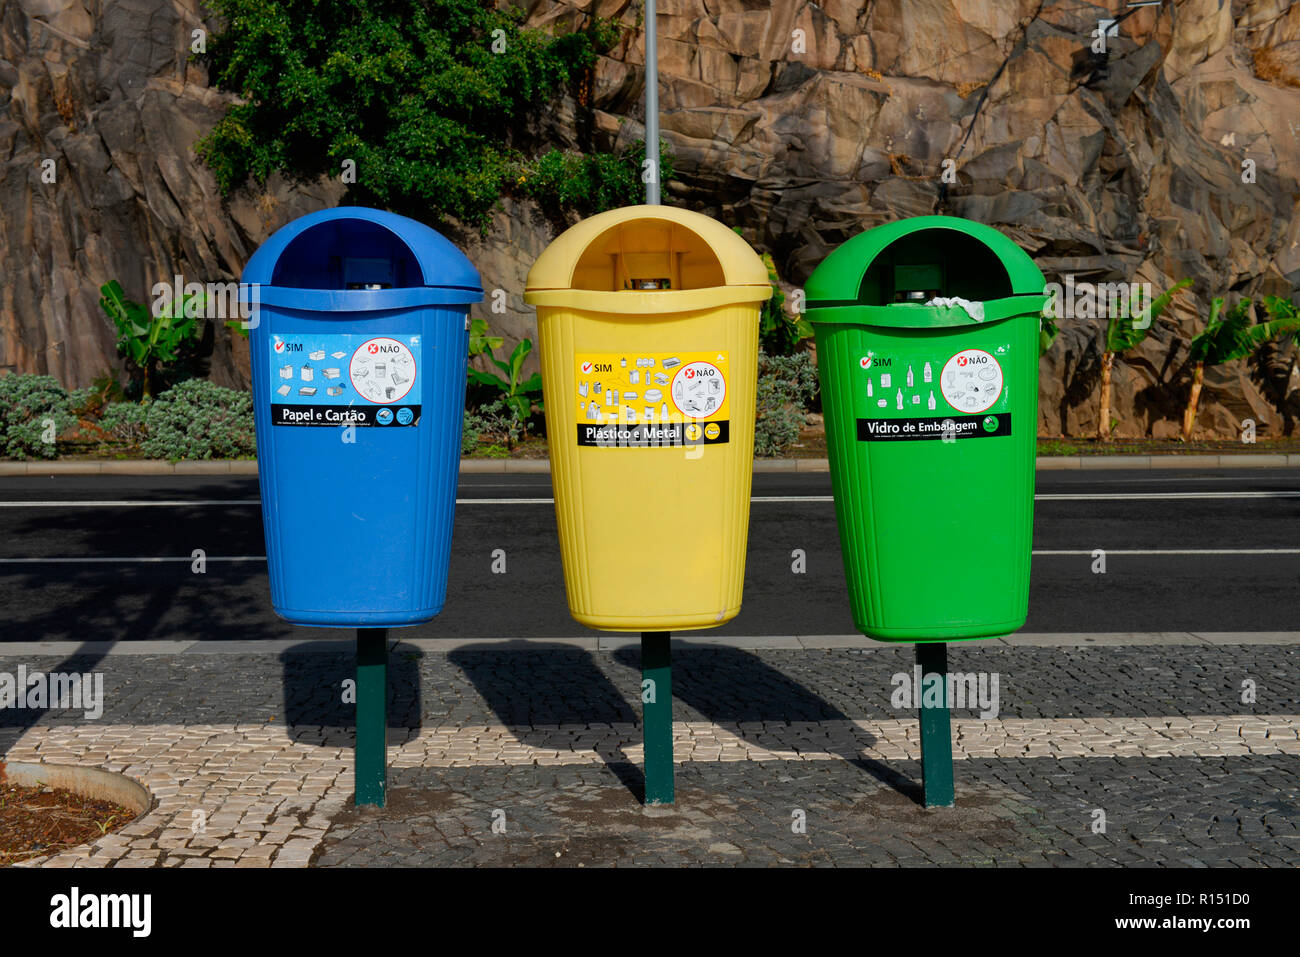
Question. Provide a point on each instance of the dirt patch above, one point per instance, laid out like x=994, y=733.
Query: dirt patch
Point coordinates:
x=36, y=821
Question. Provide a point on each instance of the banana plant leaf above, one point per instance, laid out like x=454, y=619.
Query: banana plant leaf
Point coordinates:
x=1232, y=335
x=1124, y=332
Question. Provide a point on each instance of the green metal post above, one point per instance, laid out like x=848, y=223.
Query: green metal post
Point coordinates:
x=936, y=728
x=657, y=715
x=371, y=760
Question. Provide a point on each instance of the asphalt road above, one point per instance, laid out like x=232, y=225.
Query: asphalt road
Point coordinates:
x=1200, y=551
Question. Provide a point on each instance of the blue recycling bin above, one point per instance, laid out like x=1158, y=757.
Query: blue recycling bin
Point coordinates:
x=358, y=343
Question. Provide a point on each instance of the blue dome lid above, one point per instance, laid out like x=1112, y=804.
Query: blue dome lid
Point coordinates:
x=326, y=250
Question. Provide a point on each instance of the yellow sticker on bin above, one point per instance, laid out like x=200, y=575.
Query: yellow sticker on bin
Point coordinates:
x=652, y=399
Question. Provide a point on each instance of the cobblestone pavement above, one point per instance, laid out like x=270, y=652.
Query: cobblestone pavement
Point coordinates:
x=562, y=686
x=1175, y=811
x=249, y=758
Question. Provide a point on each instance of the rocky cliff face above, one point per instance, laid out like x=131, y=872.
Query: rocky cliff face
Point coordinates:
x=802, y=123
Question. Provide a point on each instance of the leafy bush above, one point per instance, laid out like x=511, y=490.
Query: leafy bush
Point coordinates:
x=198, y=420
x=125, y=422
x=34, y=410
x=561, y=180
x=493, y=427
x=427, y=99
x=786, y=385
x=778, y=333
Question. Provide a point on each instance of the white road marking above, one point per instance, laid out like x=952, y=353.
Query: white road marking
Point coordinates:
x=104, y=561
x=1175, y=551
x=1041, y=553
x=131, y=503
x=1131, y=496
x=758, y=499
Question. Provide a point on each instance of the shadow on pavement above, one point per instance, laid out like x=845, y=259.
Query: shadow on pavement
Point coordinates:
x=527, y=691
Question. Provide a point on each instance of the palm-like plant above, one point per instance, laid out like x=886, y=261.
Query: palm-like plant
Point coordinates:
x=1273, y=364
x=151, y=341
x=1124, y=333
x=1228, y=336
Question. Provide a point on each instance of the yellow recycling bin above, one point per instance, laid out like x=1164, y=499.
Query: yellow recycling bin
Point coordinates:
x=648, y=325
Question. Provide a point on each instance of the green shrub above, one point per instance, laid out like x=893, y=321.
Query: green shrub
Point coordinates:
x=786, y=385
x=778, y=333
x=125, y=422
x=198, y=420
x=590, y=183
x=34, y=411
x=490, y=427
x=428, y=100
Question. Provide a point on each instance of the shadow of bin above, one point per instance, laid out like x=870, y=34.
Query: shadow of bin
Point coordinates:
x=358, y=348
x=927, y=351
x=648, y=323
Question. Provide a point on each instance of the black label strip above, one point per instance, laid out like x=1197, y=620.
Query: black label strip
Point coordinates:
x=338, y=416
x=940, y=428
x=652, y=435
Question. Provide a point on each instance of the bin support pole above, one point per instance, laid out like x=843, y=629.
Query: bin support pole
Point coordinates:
x=652, y=100
x=657, y=715
x=936, y=728
x=371, y=760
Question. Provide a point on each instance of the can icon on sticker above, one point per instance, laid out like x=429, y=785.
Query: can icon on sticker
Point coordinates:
x=384, y=416
x=692, y=433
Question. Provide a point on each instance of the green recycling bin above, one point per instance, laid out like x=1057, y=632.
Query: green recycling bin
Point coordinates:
x=927, y=352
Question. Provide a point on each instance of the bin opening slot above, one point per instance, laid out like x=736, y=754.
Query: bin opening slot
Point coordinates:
x=347, y=254
x=647, y=254
x=934, y=262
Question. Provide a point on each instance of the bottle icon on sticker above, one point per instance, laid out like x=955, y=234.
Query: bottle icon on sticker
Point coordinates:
x=926, y=374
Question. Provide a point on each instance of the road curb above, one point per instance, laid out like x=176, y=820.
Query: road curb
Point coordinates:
x=1046, y=463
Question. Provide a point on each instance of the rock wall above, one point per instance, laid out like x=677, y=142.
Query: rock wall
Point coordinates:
x=801, y=123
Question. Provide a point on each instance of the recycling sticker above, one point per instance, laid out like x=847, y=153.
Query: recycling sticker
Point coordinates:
x=971, y=381
x=382, y=370
x=648, y=399
x=345, y=379
x=910, y=391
